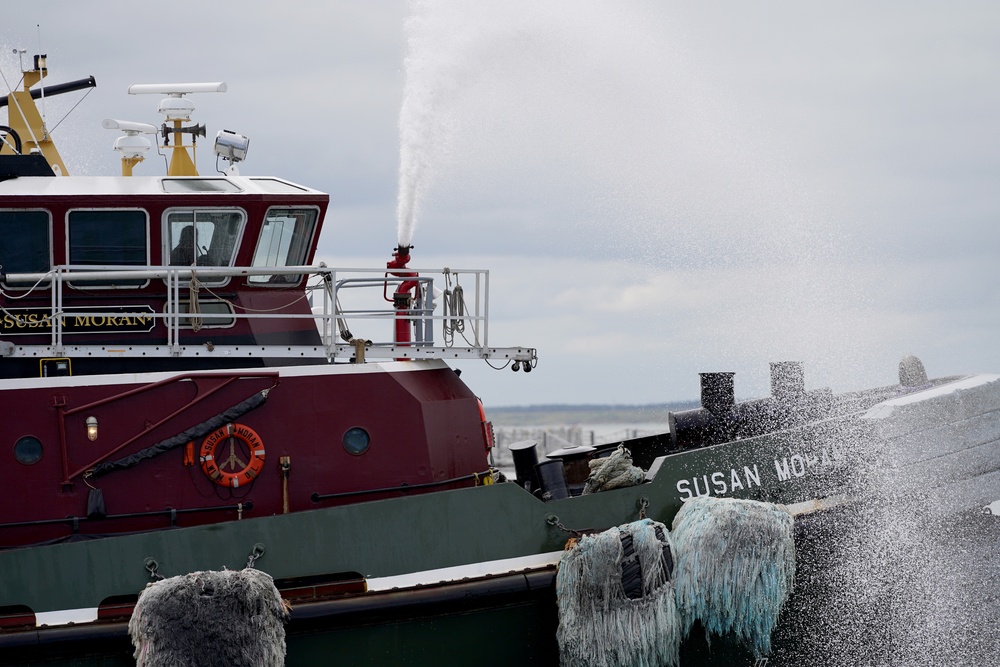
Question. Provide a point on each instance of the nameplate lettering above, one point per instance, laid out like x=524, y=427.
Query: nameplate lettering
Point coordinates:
x=77, y=320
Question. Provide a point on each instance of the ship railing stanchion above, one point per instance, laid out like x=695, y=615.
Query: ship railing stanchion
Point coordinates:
x=485, y=277
x=171, y=298
x=57, y=330
x=54, y=306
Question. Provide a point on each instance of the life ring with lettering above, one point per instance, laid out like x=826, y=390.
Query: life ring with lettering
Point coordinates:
x=224, y=466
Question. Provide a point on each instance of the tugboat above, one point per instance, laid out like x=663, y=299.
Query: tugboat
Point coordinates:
x=185, y=391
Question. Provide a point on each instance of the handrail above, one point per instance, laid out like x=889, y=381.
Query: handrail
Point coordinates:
x=343, y=301
x=178, y=279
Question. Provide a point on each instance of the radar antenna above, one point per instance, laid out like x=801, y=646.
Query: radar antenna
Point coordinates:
x=177, y=109
x=132, y=146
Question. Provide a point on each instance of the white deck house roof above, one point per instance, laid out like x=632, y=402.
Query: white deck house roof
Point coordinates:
x=150, y=185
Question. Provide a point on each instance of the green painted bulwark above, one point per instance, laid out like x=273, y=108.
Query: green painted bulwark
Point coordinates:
x=425, y=532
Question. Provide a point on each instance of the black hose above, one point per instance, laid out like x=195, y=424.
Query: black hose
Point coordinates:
x=58, y=89
x=17, y=137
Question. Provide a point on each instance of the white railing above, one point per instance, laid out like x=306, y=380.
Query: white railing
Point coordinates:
x=352, y=315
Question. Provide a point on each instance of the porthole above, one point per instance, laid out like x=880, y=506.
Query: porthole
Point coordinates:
x=28, y=450
x=356, y=440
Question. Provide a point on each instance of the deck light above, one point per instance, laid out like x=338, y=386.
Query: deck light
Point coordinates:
x=92, y=428
x=231, y=146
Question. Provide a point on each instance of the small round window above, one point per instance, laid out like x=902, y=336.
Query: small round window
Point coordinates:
x=356, y=440
x=28, y=450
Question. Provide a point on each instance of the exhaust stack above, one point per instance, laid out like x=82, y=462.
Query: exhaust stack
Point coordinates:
x=717, y=393
x=788, y=381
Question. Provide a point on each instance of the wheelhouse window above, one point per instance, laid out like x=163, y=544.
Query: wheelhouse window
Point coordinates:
x=108, y=237
x=27, y=243
x=210, y=314
x=285, y=240
x=203, y=237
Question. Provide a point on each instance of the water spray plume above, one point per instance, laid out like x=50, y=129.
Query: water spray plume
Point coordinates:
x=421, y=132
x=450, y=49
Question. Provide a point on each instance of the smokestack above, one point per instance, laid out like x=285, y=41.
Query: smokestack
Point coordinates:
x=787, y=380
x=525, y=459
x=717, y=395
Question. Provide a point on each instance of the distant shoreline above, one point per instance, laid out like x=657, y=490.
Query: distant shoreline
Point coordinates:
x=531, y=415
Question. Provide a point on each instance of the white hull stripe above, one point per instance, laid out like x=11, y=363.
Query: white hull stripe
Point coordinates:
x=818, y=505
x=66, y=616
x=470, y=571
x=313, y=370
x=885, y=408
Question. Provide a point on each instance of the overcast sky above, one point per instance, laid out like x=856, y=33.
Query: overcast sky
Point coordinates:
x=658, y=188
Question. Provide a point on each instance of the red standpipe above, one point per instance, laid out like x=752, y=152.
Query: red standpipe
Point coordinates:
x=402, y=299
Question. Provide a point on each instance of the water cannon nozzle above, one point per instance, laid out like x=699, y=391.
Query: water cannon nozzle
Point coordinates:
x=400, y=257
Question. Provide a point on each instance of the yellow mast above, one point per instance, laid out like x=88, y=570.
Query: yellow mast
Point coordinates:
x=181, y=163
x=128, y=163
x=24, y=118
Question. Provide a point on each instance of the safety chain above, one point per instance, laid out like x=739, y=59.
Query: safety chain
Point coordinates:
x=151, y=566
x=553, y=520
x=255, y=553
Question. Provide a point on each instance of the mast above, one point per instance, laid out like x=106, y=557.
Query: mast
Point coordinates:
x=177, y=110
x=27, y=123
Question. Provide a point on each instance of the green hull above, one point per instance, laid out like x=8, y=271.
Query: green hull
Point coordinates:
x=423, y=532
x=405, y=535
x=458, y=617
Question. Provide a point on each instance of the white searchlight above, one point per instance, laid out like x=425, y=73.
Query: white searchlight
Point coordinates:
x=232, y=147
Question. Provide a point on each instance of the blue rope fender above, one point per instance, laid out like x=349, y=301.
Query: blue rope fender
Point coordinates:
x=735, y=567
x=616, y=599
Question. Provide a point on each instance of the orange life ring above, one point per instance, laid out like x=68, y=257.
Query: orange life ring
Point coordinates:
x=487, y=426
x=212, y=466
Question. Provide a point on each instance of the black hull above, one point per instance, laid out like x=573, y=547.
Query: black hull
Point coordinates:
x=512, y=619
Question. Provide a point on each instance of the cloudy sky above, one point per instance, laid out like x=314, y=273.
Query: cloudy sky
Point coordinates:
x=658, y=188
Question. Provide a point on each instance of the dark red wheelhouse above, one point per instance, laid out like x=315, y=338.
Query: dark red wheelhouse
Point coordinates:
x=165, y=320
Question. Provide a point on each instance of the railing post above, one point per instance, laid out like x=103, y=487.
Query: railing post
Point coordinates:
x=429, y=312
x=57, y=289
x=486, y=308
x=54, y=307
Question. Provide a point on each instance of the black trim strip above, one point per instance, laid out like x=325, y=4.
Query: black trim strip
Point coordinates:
x=73, y=520
x=316, y=497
